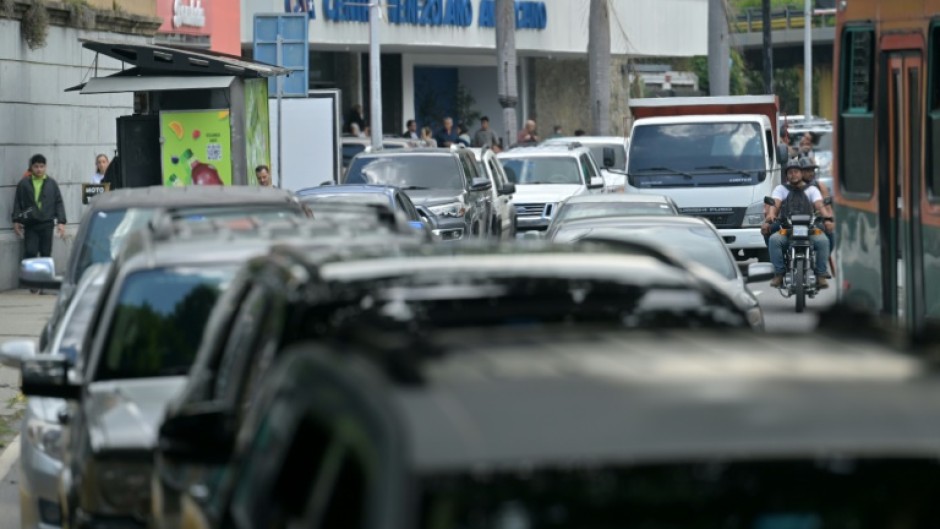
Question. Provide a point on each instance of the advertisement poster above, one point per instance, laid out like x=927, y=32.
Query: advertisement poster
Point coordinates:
x=196, y=148
x=258, y=141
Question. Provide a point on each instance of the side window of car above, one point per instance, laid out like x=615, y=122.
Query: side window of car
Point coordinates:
x=469, y=167
x=589, y=168
x=400, y=205
x=410, y=209
x=241, y=343
x=498, y=172
x=266, y=350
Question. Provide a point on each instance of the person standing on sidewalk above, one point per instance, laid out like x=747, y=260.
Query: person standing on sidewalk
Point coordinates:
x=38, y=209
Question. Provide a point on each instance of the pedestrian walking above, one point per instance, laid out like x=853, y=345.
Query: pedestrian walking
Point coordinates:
x=448, y=134
x=484, y=137
x=263, y=174
x=101, y=166
x=38, y=209
x=528, y=134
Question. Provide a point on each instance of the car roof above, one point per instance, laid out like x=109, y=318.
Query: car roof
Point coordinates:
x=187, y=196
x=626, y=198
x=552, y=151
x=637, y=220
x=348, y=189
x=525, y=398
x=717, y=118
x=588, y=140
x=425, y=151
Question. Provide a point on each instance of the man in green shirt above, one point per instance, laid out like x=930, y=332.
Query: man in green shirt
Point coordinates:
x=38, y=209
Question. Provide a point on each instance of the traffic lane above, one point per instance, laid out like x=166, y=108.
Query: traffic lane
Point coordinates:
x=780, y=312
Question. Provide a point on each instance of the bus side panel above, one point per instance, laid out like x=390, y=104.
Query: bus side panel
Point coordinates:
x=859, y=262
x=931, y=233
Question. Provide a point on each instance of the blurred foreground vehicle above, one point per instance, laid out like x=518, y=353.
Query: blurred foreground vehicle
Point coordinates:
x=695, y=241
x=41, y=445
x=158, y=296
x=294, y=296
x=320, y=199
x=532, y=427
x=111, y=216
x=609, y=206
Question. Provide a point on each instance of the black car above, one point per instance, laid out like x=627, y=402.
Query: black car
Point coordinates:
x=534, y=426
x=446, y=182
x=111, y=216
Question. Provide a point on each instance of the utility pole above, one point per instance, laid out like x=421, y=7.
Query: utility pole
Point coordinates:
x=506, y=68
x=719, y=52
x=375, y=72
x=599, y=66
x=768, y=49
x=807, y=58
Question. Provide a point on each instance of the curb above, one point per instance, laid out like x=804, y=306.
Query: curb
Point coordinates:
x=9, y=457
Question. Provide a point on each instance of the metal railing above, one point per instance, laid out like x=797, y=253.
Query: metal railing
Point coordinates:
x=789, y=17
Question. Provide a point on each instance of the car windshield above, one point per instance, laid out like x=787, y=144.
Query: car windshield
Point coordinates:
x=543, y=170
x=586, y=210
x=106, y=230
x=159, y=319
x=697, y=243
x=697, y=154
x=220, y=214
x=73, y=331
x=347, y=198
x=419, y=171
x=817, y=493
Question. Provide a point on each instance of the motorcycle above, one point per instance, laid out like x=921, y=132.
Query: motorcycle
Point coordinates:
x=799, y=280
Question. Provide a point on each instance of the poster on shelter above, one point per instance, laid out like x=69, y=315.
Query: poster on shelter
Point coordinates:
x=257, y=126
x=196, y=148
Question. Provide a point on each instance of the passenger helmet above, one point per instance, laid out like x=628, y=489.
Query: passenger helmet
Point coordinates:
x=794, y=163
x=807, y=162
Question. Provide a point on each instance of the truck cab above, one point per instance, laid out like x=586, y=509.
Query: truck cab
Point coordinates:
x=713, y=162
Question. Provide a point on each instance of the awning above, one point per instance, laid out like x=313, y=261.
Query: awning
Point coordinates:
x=158, y=83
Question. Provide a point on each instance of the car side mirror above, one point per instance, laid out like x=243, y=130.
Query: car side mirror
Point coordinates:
x=481, y=184
x=39, y=272
x=759, y=272
x=769, y=201
x=596, y=183
x=610, y=157
x=13, y=353
x=508, y=188
x=48, y=376
x=206, y=435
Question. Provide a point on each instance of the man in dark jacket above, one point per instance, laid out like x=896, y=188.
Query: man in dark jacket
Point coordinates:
x=38, y=209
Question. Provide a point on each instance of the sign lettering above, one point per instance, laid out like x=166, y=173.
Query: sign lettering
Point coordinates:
x=530, y=14
x=188, y=13
x=90, y=191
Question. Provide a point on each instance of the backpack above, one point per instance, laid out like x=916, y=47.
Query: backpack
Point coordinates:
x=796, y=203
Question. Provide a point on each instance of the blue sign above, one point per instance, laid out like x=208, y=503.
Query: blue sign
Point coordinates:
x=530, y=14
x=295, y=49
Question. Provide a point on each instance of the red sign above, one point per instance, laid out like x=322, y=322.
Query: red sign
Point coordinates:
x=184, y=17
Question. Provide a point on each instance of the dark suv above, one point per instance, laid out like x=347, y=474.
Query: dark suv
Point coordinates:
x=443, y=182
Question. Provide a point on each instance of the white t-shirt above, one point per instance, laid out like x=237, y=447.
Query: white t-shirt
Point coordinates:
x=97, y=178
x=812, y=193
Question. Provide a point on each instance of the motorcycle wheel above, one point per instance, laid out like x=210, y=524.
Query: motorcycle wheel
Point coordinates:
x=799, y=285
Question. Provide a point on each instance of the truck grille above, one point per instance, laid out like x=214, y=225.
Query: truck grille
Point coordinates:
x=725, y=218
x=530, y=210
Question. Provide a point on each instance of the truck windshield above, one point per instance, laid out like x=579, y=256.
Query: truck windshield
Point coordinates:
x=543, y=170
x=697, y=154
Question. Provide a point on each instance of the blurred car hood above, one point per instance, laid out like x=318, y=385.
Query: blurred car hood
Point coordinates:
x=428, y=197
x=126, y=414
x=528, y=193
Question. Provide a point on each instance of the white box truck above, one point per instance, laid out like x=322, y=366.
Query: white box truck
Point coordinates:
x=716, y=157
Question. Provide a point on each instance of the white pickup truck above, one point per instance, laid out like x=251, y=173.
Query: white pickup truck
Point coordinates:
x=714, y=156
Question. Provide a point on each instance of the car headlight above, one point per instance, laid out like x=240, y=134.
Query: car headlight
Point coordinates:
x=754, y=216
x=125, y=485
x=456, y=209
x=46, y=437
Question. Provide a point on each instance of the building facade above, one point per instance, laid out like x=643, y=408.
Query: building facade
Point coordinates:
x=439, y=57
x=200, y=24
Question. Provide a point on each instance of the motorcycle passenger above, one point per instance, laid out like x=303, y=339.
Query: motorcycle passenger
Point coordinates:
x=797, y=198
x=808, y=166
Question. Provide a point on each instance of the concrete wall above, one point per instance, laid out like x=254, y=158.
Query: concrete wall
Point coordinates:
x=39, y=117
x=135, y=7
x=561, y=95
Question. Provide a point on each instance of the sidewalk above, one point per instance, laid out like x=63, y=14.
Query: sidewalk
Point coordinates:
x=22, y=315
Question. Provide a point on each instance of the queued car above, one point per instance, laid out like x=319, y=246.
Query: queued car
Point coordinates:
x=111, y=216
x=393, y=299
x=610, y=152
x=695, y=241
x=444, y=181
x=532, y=427
x=502, y=213
x=320, y=198
x=41, y=446
x=610, y=206
x=353, y=145
x=545, y=177
x=159, y=292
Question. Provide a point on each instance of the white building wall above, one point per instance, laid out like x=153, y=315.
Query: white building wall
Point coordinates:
x=37, y=116
x=675, y=28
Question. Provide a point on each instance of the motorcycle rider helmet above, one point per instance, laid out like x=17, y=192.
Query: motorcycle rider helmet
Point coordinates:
x=794, y=163
x=807, y=162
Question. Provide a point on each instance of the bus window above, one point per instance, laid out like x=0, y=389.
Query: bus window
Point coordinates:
x=857, y=172
x=933, y=114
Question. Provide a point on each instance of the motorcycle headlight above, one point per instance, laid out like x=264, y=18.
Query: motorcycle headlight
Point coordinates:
x=125, y=485
x=754, y=216
x=46, y=437
x=455, y=209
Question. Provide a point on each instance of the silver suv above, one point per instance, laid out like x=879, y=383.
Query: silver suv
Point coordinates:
x=547, y=175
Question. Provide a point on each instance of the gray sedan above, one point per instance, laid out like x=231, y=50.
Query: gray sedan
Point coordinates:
x=693, y=240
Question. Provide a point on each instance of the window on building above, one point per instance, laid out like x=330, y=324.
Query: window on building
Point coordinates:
x=856, y=116
x=933, y=114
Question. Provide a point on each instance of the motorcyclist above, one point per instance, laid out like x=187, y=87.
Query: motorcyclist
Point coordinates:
x=786, y=205
x=808, y=166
